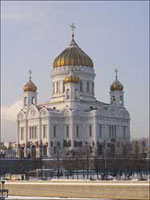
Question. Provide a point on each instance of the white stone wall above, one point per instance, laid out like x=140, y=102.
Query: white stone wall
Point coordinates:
x=104, y=116
x=83, y=111
x=84, y=73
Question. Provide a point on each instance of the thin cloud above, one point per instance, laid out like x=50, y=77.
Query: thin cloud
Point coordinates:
x=9, y=113
x=15, y=16
x=8, y=121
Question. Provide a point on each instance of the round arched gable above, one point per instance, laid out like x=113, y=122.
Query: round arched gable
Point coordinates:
x=21, y=115
x=32, y=112
x=44, y=112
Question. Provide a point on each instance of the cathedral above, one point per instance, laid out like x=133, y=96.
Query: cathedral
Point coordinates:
x=73, y=120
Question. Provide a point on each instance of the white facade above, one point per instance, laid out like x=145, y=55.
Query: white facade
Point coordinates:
x=73, y=119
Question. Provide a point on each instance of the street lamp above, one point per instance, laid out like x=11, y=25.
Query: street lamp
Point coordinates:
x=3, y=182
x=3, y=191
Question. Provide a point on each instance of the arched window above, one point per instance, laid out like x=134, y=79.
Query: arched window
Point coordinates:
x=76, y=93
x=90, y=130
x=25, y=101
x=124, y=131
x=81, y=86
x=44, y=131
x=92, y=87
x=121, y=100
x=54, y=131
x=67, y=94
x=63, y=86
x=77, y=131
x=112, y=131
x=57, y=87
x=22, y=133
x=88, y=86
x=67, y=131
x=113, y=99
x=33, y=100
x=100, y=130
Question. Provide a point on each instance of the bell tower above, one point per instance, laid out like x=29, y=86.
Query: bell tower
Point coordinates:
x=30, y=94
x=116, y=92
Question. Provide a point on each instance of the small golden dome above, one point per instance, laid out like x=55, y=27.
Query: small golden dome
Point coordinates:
x=30, y=85
x=74, y=56
x=116, y=85
x=72, y=79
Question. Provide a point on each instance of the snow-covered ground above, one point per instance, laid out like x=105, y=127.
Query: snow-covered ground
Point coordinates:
x=48, y=198
x=79, y=182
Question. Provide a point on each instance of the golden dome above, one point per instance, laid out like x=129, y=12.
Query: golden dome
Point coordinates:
x=72, y=79
x=116, y=85
x=30, y=86
x=74, y=56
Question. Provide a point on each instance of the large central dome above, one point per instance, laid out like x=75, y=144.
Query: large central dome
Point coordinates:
x=73, y=56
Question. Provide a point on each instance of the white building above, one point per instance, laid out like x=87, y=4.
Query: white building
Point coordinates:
x=73, y=119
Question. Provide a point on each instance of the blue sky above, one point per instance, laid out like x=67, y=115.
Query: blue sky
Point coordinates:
x=113, y=34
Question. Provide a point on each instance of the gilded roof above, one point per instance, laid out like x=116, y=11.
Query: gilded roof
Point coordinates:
x=30, y=86
x=116, y=85
x=73, y=55
x=72, y=79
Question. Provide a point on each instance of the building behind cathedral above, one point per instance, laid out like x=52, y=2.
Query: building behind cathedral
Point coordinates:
x=73, y=120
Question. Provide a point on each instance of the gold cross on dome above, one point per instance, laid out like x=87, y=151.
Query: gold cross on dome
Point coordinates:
x=30, y=72
x=116, y=70
x=72, y=28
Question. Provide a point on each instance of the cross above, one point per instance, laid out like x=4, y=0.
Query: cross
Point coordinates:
x=30, y=72
x=116, y=70
x=72, y=28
